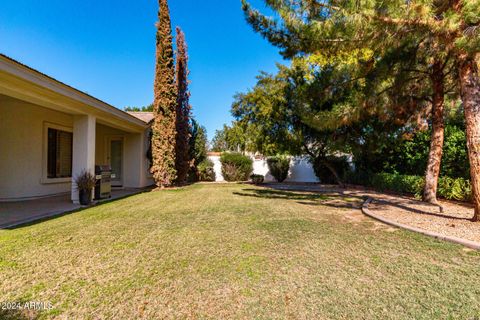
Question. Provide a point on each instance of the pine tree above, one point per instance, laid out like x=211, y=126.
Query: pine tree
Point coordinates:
x=164, y=107
x=333, y=27
x=183, y=161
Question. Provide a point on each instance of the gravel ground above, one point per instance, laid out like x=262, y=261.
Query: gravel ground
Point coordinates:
x=453, y=221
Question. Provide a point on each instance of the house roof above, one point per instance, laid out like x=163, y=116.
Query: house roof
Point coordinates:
x=104, y=104
x=144, y=116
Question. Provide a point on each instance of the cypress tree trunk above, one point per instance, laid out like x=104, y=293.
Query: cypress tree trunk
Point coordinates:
x=164, y=106
x=470, y=91
x=436, y=141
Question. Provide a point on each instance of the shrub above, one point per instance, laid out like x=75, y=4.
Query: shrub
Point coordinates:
x=279, y=166
x=449, y=188
x=455, y=189
x=358, y=177
x=403, y=152
x=236, y=166
x=340, y=164
x=398, y=183
x=257, y=178
x=205, y=171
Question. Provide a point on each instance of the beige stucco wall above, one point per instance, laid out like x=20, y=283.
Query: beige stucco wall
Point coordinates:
x=135, y=163
x=21, y=149
x=102, y=133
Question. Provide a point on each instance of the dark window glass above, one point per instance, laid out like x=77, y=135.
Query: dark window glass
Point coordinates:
x=59, y=154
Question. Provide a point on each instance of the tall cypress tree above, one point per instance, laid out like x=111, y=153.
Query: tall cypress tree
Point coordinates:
x=182, y=162
x=164, y=106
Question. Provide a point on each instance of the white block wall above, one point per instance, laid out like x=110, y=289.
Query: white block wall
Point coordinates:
x=300, y=170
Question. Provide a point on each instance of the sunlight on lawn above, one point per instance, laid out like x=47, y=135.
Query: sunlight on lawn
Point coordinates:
x=233, y=251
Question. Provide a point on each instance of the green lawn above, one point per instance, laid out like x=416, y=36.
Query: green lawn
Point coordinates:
x=234, y=251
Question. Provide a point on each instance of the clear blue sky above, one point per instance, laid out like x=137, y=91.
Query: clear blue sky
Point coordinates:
x=107, y=48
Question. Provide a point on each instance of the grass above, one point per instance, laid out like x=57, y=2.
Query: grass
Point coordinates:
x=234, y=251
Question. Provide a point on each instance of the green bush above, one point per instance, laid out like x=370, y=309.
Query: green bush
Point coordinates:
x=257, y=178
x=449, y=188
x=236, y=166
x=205, y=171
x=404, y=152
x=455, y=189
x=398, y=183
x=279, y=166
x=361, y=178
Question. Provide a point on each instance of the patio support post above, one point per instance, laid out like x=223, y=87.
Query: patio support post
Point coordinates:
x=83, y=149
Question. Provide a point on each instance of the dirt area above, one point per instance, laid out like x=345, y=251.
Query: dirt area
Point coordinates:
x=452, y=220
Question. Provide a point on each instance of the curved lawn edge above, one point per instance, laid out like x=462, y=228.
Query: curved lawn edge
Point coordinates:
x=464, y=242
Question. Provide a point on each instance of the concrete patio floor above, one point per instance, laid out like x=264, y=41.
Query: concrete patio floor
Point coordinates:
x=17, y=213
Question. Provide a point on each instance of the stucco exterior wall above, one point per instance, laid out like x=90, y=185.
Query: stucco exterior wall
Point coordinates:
x=102, y=132
x=21, y=149
x=135, y=162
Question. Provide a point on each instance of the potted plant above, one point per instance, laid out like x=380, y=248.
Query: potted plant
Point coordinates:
x=85, y=183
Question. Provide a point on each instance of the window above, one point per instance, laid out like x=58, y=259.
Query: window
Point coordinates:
x=59, y=154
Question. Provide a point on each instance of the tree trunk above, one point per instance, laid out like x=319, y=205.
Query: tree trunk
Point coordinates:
x=470, y=91
x=436, y=141
x=334, y=172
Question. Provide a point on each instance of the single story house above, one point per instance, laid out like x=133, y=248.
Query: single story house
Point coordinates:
x=50, y=132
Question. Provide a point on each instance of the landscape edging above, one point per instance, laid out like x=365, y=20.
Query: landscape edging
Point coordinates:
x=464, y=242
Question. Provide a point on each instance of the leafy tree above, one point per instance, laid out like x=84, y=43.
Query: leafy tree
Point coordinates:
x=165, y=103
x=219, y=141
x=182, y=159
x=410, y=154
x=399, y=69
x=198, y=142
x=198, y=149
x=335, y=27
x=275, y=114
x=229, y=139
x=148, y=108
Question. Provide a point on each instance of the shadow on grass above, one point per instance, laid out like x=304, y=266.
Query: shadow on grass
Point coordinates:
x=421, y=212
x=335, y=196
x=280, y=194
x=17, y=315
x=59, y=215
x=331, y=199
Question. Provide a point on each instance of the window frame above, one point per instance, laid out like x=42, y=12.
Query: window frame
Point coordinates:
x=45, y=179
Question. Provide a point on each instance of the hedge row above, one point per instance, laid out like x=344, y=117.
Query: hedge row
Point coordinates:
x=448, y=188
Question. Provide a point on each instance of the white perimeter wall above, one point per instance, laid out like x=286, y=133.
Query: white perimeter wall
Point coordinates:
x=300, y=170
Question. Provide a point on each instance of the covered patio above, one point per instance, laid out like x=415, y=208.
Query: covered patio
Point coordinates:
x=50, y=133
x=16, y=213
